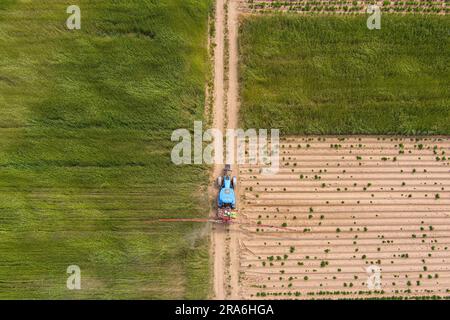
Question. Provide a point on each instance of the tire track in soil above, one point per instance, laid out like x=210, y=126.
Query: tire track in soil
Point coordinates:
x=233, y=112
x=218, y=234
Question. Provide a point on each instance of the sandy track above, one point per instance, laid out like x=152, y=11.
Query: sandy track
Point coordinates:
x=340, y=205
x=225, y=240
x=233, y=112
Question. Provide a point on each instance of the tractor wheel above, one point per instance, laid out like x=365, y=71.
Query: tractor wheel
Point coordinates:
x=219, y=182
x=234, y=182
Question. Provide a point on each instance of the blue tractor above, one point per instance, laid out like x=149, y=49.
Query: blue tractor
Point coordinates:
x=226, y=201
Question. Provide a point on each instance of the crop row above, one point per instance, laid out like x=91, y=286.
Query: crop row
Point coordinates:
x=347, y=7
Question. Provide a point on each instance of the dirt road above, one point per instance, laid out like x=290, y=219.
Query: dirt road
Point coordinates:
x=226, y=105
x=233, y=117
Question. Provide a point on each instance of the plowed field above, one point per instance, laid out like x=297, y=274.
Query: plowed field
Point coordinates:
x=340, y=205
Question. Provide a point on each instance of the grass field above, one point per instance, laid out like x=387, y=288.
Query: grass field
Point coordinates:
x=85, y=124
x=331, y=75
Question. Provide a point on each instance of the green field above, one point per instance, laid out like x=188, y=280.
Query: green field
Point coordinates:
x=331, y=75
x=85, y=123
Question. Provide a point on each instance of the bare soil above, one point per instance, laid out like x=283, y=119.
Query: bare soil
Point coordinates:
x=225, y=114
x=340, y=205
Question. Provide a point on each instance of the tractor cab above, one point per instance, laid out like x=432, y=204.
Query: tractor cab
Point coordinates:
x=227, y=197
x=226, y=201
